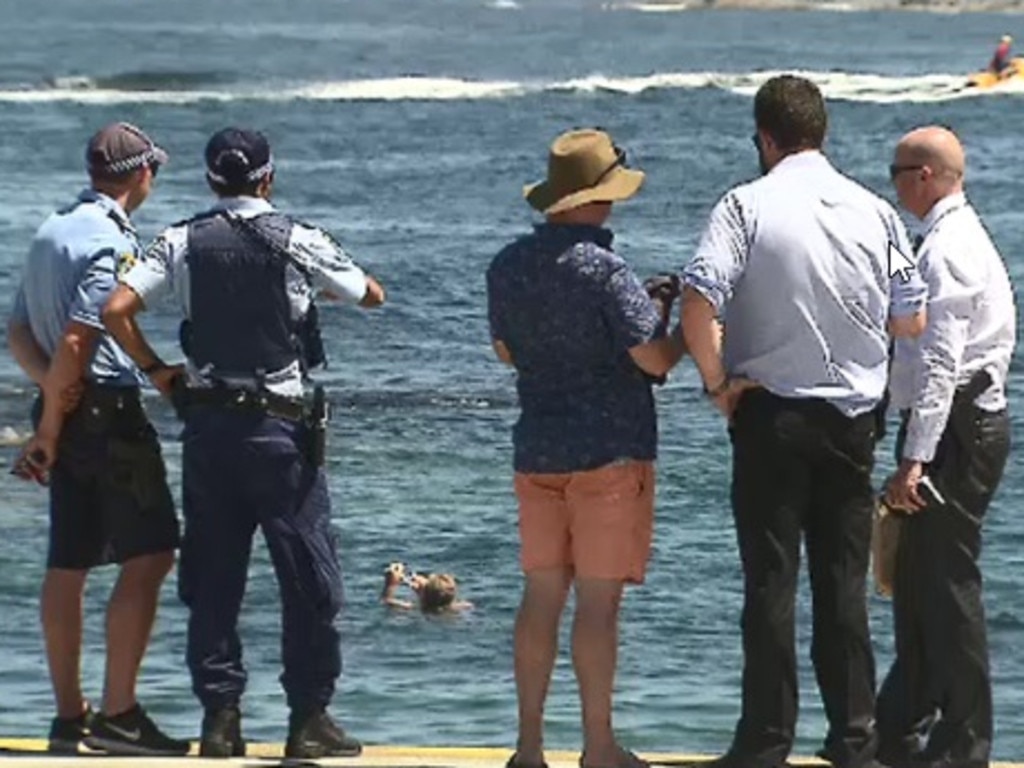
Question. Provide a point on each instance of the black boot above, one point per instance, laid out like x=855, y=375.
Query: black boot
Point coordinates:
x=314, y=735
x=222, y=733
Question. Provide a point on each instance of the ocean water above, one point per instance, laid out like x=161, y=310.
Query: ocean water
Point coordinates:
x=408, y=130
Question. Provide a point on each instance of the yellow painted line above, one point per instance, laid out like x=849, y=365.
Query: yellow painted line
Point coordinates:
x=497, y=755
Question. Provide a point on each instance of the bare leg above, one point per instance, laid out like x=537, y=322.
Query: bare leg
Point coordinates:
x=536, y=644
x=130, y=615
x=60, y=610
x=595, y=641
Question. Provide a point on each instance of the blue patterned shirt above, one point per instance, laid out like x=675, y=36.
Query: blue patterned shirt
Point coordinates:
x=569, y=309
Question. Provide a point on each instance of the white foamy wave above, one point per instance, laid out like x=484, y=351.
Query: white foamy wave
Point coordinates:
x=880, y=89
x=659, y=7
x=410, y=89
x=883, y=89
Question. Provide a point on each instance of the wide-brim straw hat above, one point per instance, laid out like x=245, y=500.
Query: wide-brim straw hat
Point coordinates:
x=584, y=166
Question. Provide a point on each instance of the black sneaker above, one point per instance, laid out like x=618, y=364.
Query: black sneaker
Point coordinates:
x=133, y=733
x=66, y=733
x=317, y=735
x=222, y=734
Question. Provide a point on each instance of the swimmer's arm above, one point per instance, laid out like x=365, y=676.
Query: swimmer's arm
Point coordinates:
x=387, y=596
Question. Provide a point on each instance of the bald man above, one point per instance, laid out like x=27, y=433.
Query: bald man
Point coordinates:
x=949, y=386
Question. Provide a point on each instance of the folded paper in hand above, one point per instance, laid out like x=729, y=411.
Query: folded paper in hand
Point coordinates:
x=885, y=539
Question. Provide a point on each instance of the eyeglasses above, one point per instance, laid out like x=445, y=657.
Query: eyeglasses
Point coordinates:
x=154, y=167
x=896, y=170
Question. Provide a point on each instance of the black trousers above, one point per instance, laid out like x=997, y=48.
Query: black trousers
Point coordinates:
x=802, y=467
x=936, y=702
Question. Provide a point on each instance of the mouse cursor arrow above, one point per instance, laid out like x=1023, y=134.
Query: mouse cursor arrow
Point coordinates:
x=899, y=265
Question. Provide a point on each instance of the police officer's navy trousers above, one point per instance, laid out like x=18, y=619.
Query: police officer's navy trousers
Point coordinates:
x=242, y=470
x=801, y=466
x=938, y=690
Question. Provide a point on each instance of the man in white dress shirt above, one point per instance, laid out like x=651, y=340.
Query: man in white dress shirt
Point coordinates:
x=793, y=266
x=935, y=707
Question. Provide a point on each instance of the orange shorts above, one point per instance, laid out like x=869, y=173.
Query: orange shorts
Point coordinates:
x=599, y=521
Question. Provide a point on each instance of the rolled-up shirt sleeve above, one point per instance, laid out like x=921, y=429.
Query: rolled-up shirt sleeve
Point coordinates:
x=329, y=267
x=151, y=276
x=908, y=291
x=941, y=349
x=94, y=288
x=722, y=253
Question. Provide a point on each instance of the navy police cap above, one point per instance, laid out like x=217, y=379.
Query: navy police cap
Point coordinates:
x=237, y=156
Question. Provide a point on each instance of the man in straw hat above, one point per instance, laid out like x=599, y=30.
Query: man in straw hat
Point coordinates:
x=797, y=263
x=585, y=339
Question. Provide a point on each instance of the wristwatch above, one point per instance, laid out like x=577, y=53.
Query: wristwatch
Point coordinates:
x=717, y=391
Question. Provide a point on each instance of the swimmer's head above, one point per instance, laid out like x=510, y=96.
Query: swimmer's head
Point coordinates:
x=436, y=592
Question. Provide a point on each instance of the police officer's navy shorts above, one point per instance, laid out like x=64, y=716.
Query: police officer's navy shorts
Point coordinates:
x=109, y=498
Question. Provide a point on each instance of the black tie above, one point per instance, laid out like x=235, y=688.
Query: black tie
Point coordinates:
x=918, y=239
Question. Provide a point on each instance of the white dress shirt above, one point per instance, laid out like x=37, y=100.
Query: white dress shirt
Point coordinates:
x=972, y=323
x=796, y=263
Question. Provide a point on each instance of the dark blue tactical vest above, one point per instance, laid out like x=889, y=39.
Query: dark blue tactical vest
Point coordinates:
x=238, y=299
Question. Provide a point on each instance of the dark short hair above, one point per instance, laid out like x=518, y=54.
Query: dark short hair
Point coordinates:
x=234, y=190
x=104, y=177
x=791, y=110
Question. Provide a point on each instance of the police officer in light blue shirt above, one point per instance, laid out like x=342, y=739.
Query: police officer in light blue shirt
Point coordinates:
x=794, y=266
x=109, y=500
x=244, y=277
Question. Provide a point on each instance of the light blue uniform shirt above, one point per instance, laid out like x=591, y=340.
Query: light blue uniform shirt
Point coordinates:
x=796, y=263
x=163, y=269
x=69, y=274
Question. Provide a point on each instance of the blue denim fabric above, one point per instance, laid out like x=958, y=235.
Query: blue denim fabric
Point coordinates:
x=240, y=471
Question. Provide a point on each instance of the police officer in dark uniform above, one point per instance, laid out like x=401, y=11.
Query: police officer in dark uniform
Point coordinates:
x=245, y=276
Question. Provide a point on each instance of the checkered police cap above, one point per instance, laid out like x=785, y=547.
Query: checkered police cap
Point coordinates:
x=121, y=148
x=236, y=156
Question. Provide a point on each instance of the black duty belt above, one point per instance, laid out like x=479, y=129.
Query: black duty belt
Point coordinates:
x=267, y=403
x=110, y=398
